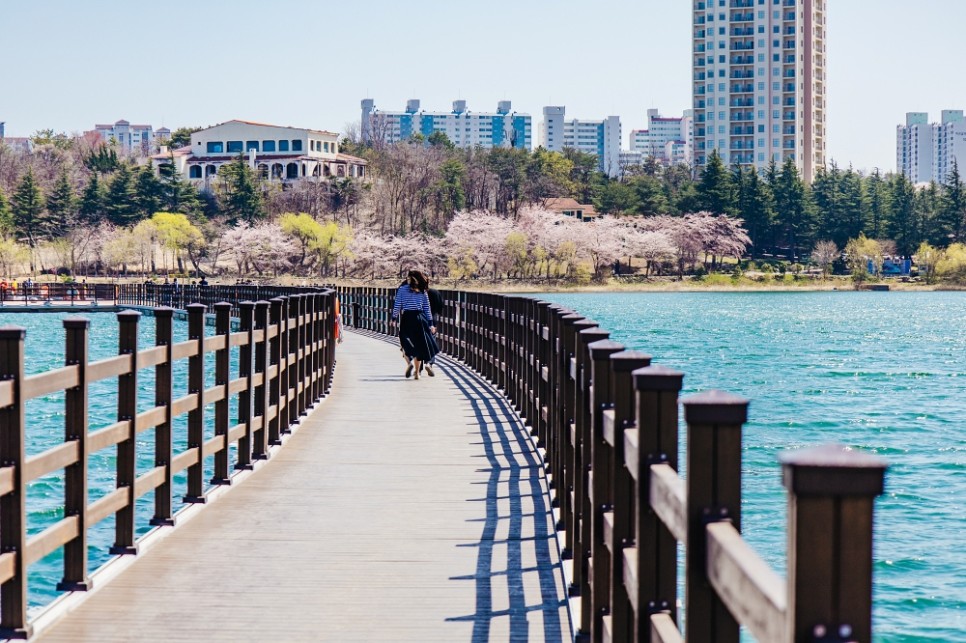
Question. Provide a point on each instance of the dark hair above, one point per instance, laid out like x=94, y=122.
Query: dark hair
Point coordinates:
x=417, y=281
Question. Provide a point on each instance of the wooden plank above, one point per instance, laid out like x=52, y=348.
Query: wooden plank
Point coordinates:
x=214, y=343
x=751, y=590
x=7, y=566
x=53, y=459
x=110, y=367
x=235, y=433
x=663, y=629
x=607, y=426
x=181, y=350
x=6, y=481
x=106, y=506
x=608, y=522
x=152, y=356
x=631, y=442
x=50, y=382
x=108, y=436
x=669, y=499
x=184, y=460
x=238, y=339
x=237, y=385
x=6, y=393
x=152, y=479
x=151, y=418
x=51, y=538
x=214, y=394
x=212, y=446
x=630, y=575
x=184, y=404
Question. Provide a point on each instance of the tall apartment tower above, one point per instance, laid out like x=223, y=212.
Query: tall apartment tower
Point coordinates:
x=759, y=82
x=914, y=148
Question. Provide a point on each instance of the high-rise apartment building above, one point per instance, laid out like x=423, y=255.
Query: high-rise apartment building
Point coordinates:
x=759, y=82
x=601, y=138
x=927, y=151
x=503, y=128
x=670, y=140
x=130, y=139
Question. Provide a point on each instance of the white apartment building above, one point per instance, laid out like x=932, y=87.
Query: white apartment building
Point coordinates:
x=467, y=129
x=759, y=82
x=926, y=151
x=274, y=152
x=601, y=138
x=132, y=139
x=667, y=139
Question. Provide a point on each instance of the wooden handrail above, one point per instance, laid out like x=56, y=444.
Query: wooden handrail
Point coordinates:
x=305, y=350
x=608, y=425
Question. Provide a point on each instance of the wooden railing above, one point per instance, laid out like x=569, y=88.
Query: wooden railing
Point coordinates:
x=58, y=293
x=608, y=421
x=286, y=356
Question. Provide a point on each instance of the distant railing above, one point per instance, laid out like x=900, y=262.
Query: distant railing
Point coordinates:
x=286, y=354
x=608, y=421
x=57, y=293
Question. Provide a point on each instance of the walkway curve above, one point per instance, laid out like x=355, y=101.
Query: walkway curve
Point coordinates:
x=399, y=510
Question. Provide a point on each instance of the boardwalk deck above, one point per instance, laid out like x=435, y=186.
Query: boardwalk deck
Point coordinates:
x=399, y=510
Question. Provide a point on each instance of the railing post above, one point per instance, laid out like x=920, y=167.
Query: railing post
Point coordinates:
x=280, y=423
x=302, y=356
x=75, y=476
x=566, y=463
x=196, y=417
x=599, y=489
x=222, y=378
x=260, y=445
x=621, y=525
x=246, y=398
x=831, y=498
x=13, y=517
x=714, y=420
x=164, y=385
x=127, y=410
x=290, y=395
x=657, y=431
x=582, y=504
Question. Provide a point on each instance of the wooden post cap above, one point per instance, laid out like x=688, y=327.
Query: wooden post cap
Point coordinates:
x=11, y=331
x=196, y=308
x=583, y=324
x=569, y=318
x=246, y=304
x=657, y=378
x=261, y=303
x=590, y=335
x=715, y=407
x=604, y=348
x=222, y=305
x=74, y=323
x=128, y=316
x=164, y=311
x=832, y=470
x=627, y=360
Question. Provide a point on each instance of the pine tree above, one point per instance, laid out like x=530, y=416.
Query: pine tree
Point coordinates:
x=121, y=200
x=755, y=206
x=878, y=200
x=91, y=208
x=715, y=189
x=952, y=213
x=28, y=208
x=6, y=219
x=241, y=198
x=902, y=225
x=61, y=206
x=149, y=192
x=794, y=209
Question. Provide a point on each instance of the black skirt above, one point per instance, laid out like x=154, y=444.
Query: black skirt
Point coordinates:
x=415, y=338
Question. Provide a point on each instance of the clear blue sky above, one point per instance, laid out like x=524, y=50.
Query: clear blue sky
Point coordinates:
x=67, y=65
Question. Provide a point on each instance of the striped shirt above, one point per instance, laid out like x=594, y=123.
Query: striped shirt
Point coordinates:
x=407, y=299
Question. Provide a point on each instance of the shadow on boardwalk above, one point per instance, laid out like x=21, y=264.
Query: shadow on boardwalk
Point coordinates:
x=517, y=538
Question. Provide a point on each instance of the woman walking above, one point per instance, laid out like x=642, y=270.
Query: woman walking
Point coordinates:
x=416, y=328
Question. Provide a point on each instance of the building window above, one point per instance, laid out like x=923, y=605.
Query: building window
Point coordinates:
x=283, y=146
x=251, y=145
x=216, y=147
x=235, y=147
x=296, y=145
x=268, y=146
x=194, y=172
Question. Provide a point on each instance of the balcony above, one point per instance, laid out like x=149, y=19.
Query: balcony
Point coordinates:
x=742, y=131
x=743, y=17
x=743, y=74
x=789, y=60
x=788, y=116
x=700, y=75
x=743, y=89
x=743, y=31
x=742, y=4
x=788, y=87
x=789, y=102
x=788, y=44
x=742, y=60
x=737, y=117
x=742, y=145
x=788, y=16
x=699, y=34
x=742, y=102
x=699, y=49
x=788, y=129
x=788, y=73
x=742, y=46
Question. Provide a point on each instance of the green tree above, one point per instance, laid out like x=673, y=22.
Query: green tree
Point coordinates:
x=120, y=201
x=583, y=175
x=859, y=253
x=182, y=136
x=450, y=196
x=617, y=198
x=952, y=213
x=793, y=207
x=649, y=195
x=91, y=207
x=102, y=159
x=61, y=205
x=715, y=189
x=548, y=174
x=877, y=196
x=6, y=219
x=440, y=139
x=48, y=137
x=903, y=225
x=148, y=192
x=177, y=194
x=756, y=208
x=240, y=196
x=176, y=234
x=28, y=208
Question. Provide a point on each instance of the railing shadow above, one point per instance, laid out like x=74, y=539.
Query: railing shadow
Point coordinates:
x=515, y=467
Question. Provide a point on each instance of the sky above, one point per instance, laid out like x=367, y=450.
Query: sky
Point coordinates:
x=67, y=65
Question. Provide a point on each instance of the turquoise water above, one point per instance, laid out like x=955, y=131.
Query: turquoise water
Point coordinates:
x=882, y=372
x=45, y=428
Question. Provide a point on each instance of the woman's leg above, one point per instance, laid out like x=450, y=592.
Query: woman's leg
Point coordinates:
x=418, y=366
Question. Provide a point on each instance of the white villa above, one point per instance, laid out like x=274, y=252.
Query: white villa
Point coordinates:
x=276, y=153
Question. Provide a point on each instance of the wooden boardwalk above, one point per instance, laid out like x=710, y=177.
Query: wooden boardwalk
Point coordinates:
x=399, y=510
